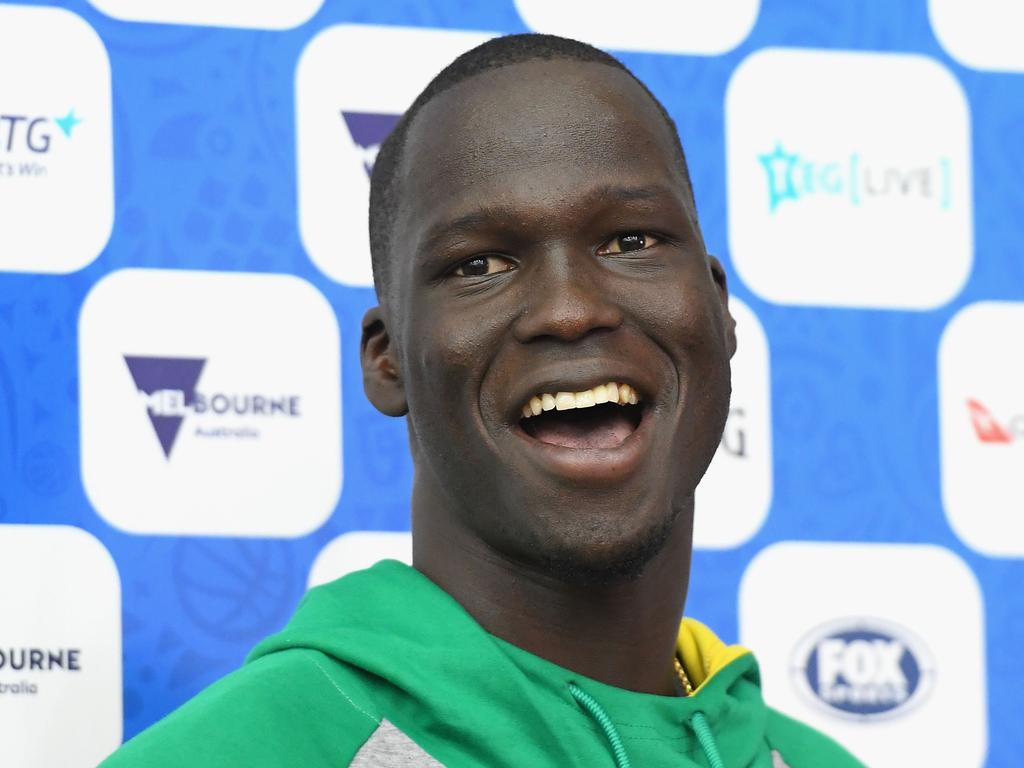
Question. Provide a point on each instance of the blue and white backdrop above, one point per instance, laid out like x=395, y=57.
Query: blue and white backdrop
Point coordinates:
x=184, y=442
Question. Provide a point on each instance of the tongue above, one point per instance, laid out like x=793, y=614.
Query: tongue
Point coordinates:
x=583, y=428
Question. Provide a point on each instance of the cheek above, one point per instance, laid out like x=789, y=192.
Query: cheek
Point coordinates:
x=688, y=319
x=446, y=356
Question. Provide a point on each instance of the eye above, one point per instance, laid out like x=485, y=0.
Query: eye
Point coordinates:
x=629, y=241
x=481, y=266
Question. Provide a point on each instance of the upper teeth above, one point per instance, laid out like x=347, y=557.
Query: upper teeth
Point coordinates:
x=623, y=394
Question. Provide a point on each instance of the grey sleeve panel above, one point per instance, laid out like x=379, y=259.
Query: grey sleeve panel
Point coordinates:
x=388, y=747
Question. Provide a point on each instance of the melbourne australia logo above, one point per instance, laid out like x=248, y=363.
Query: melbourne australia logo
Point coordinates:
x=989, y=429
x=855, y=179
x=368, y=130
x=27, y=142
x=169, y=388
x=863, y=669
x=25, y=662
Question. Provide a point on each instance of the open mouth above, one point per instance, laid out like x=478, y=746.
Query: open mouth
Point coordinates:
x=599, y=418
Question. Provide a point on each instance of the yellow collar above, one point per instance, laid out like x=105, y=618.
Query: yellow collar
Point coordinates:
x=702, y=653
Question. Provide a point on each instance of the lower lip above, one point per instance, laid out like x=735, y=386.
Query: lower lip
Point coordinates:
x=591, y=466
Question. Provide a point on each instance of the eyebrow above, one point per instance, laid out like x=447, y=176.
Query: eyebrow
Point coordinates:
x=463, y=224
x=630, y=194
x=489, y=215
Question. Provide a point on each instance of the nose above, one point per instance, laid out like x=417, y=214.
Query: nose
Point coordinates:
x=566, y=299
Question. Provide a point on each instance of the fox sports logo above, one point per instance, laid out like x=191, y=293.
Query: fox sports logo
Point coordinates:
x=863, y=669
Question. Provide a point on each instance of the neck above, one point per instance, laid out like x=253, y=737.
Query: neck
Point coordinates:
x=621, y=633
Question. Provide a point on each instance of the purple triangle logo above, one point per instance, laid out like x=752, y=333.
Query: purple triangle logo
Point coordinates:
x=170, y=384
x=368, y=130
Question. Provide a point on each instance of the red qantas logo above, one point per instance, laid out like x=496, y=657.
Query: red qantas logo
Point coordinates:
x=985, y=425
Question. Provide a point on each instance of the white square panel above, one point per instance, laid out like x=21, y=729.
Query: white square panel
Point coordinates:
x=60, y=648
x=981, y=426
x=880, y=646
x=733, y=498
x=357, y=550
x=681, y=26
x=56, y=141
x=249, y=14
x=849, y=179
x=984, y=34
x=341, y=122
x=210, y=403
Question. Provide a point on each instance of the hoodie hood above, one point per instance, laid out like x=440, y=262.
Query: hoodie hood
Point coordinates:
x=470, y=698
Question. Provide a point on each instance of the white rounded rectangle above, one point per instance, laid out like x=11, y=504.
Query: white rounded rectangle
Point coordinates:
x=880, y=646
x=341, y=122
x=60, y=648
x=246, y=14
x=849, y=179
x=981, y=426
x=983, y=34
x=56, y=141
x=734, y=496
x=657, y=26
x=210, y=403
x=357, y=550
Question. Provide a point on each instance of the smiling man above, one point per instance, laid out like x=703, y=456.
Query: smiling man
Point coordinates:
x=558, y=339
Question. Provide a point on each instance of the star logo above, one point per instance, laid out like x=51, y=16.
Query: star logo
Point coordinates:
x=780, y=166
x=67, y=123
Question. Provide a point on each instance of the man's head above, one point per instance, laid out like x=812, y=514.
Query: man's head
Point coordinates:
x=385, y=190
x=534, y=233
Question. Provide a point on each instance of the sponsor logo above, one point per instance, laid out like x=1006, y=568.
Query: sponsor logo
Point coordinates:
x=854, y=178
x=989, y=430
x=56, y=141
x=368, y=130
x=981, y=427
x=25, y=138
x=36, y=660
x=221, y=421
x=837, y=178
x=167, y=386
x=43, y=659
x=60, y=647
x=863, y=668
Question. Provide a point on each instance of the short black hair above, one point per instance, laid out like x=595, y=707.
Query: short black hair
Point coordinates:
x=494, y=54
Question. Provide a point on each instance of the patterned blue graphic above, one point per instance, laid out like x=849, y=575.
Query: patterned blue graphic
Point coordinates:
x=205, y=179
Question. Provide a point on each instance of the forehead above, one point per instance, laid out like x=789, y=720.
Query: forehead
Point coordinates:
x=532, y=132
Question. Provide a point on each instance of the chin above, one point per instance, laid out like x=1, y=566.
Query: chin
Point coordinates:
x=601, y=551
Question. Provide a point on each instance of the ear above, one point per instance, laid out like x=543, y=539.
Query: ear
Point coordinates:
x=382, y=380
x=718, y=274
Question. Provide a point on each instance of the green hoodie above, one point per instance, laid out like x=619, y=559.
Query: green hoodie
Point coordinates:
x=383, y=668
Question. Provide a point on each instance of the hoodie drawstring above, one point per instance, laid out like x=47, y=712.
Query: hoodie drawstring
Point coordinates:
x=700, y=726
x=597, y=712
x=698, y=722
